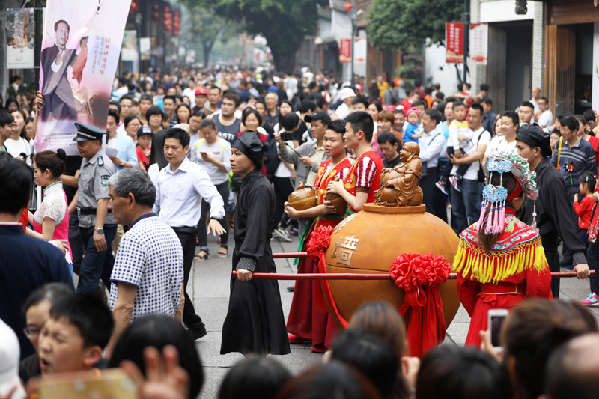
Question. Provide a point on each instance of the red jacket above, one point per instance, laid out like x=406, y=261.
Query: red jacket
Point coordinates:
x=584, y=210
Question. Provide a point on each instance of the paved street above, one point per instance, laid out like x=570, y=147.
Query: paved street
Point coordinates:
x=210, y=292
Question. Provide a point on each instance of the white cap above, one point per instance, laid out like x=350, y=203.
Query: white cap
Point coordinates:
x=346, y=92
x=9, y=363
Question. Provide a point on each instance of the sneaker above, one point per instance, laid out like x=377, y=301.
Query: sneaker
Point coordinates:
x=276, y=233
x=591, y=300
x=456, y=182
x=285, y=236
x=442, y=185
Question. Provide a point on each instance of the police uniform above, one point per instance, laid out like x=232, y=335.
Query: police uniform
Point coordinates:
x=93, y=186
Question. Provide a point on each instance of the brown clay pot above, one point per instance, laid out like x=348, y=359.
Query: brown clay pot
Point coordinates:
x=303, y=198
x=338, y=202
x=382, y=234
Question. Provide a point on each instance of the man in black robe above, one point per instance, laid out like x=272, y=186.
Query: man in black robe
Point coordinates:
x=555, y=215
x=255, y=322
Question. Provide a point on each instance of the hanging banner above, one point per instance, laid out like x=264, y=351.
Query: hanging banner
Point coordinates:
x=145, y=48
x=80, y=52
x=129, y=50
x=19, y=38
x=454, y=41
x=345, y=51
x=478, y=43
x=360, y=51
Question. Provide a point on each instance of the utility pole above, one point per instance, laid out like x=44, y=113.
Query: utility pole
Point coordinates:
x=466, y=39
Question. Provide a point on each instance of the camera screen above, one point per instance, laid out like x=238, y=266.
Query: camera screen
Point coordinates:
x=495, y=328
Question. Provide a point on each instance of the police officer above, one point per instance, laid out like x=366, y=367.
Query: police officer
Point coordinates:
x=96, y=222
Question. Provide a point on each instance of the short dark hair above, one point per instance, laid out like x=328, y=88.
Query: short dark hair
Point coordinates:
x=251, y=111
x=16, y=180
x=478, y=107
x=360, y=99
x=169, y=98
x=361, y=120
x=158, y=331
x=547, y=101
x=439, y=95
x=153, y=110
x=128, y=120
x=232, y=97
x=589, y=115
x=115, y=115
x=570, y=122
x=252, y=378
x=125, y=98
x=51, y=292
x=63, y=21
x=399, y=111
x=337, y=126
x=386, y=137
x=484, y=87
x=513, y=116
x=434, y=115
x=487, y=101
x=208, y=123
x=146, y=97
x=290, y=121
x=420, y=102
x=589, y=179
x=198, y=112
x=88, y=312
x=528, y=104
x=457, y=104
x=307, y=105
x=179, y=134
x=5, y=117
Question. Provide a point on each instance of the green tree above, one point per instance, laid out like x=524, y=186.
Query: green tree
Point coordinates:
x=397, y=23
x=284, y=23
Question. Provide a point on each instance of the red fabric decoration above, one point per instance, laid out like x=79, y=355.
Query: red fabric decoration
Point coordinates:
x=419, y=276
x=319, y=241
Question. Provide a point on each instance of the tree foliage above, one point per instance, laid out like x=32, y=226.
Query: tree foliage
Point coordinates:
x=284, y=23
x=396, y=23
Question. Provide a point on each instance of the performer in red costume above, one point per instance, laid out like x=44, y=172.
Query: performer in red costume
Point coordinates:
x=500, y=260
x=307, y=320
x=364, y=176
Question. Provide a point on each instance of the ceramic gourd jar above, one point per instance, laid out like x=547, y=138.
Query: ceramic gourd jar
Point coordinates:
x=302, y=198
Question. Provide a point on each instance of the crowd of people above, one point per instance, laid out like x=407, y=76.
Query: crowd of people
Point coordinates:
x=215, y=151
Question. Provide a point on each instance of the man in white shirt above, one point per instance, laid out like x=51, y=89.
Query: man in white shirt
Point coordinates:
x=431, y=144
x=213, y=153
x=536, y=96
x=465, y=205
x=180, y=188
x=347, y=95
x=544, y=117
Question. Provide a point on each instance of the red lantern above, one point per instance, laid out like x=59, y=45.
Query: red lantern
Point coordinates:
x=348, y=7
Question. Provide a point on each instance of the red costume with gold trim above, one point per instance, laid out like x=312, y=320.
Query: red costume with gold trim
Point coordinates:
x=372, y=163
x=307, y=319
x=515, y=268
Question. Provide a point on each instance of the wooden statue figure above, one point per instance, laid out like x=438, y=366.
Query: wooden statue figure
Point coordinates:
x=400, y=185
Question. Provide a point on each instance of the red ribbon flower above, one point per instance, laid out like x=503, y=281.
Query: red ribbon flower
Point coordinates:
x=320, y=239
x=419, y=276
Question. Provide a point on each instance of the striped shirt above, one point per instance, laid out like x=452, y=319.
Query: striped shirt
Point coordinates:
x=574, y=161
x=366, y=171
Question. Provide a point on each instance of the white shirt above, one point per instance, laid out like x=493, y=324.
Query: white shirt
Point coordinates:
x=431, y=144
x=18, y=147
x=546, y=119
x=479, y=137
x=342, y=111
x=500, y=144
x=179, y=195
x=191, y=94
x=220, y=150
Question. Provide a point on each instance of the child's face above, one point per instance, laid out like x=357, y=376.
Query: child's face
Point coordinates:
x=413, y=118
x=459, y=112
x=144, y=141
x=583, y=189
x=553, y=139
x=61, y=349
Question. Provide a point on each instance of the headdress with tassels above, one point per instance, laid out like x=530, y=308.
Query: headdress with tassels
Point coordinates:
x=495, y=197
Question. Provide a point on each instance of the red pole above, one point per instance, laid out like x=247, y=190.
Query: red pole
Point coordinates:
x=360, y=276
x=290, y=255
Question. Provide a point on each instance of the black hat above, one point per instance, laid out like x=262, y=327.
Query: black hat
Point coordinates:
x=535, y=136
x=144, y=130
x=88, y=133
x=322, y=116
x=251, y=146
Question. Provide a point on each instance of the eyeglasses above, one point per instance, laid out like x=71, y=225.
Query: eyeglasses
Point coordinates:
x=32, y=331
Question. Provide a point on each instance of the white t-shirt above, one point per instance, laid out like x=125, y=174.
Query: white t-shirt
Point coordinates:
x=499, y=144
x=18, y=147
x=480, y=136
x=282, y=170
x=546, y=119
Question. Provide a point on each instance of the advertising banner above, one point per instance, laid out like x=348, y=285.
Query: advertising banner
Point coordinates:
x=19, y=38
x=345, y=51
x=145, y=48
x=129, y=50
x=360, y=47
x=80, y=52
x=478, y=40
x=454, y=39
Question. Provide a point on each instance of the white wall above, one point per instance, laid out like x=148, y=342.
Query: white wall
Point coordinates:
x=434, y=60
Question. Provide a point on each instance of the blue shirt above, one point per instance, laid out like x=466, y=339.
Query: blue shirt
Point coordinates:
x=411, y=130
x=26, y=263
x=126, y=149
